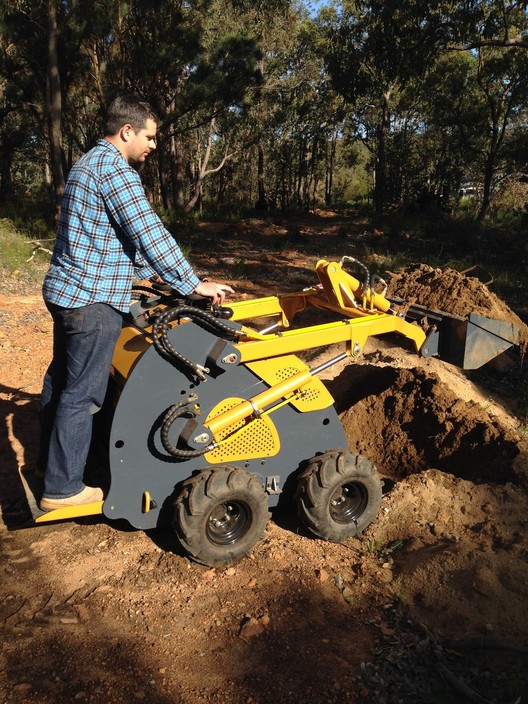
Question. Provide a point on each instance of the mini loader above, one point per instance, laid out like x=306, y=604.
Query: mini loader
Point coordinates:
x=213, y=421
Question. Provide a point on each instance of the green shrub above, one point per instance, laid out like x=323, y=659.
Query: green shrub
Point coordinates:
x=23, y=259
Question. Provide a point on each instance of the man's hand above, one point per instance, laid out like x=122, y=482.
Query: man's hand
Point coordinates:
x=215, y=291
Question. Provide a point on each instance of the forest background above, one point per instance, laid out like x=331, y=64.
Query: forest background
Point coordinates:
x=277, y=107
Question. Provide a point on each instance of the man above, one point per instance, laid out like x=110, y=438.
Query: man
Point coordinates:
x=107, y=235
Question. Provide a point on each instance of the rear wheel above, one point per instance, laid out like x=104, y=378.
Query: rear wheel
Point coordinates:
x=220, y=515
x=338, y=495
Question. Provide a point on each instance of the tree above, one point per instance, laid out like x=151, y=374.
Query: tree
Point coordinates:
x=475, y=24
x=503, y=80
x=54, y=103
x=375, y=48
x=45, y=66
x=453, y=115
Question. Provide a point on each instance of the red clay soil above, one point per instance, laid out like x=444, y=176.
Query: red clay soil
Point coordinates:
x=92, y=611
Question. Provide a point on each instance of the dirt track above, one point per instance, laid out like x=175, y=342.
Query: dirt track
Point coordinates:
x=93, y=611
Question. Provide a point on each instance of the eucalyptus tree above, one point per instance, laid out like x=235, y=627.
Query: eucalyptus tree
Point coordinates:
x=502, y=78
x=66, y=60
x=195, y=61
x=30, y=63
x=271, y=143
x=48, y=68
x=295, y=114
x=493, y=34
x=374, y=50
x=274, y=154
x=454, y=123
x=478, y=23
x=319, y=115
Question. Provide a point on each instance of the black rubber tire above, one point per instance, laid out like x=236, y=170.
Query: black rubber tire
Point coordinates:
x=220, y=515
x=338, y=495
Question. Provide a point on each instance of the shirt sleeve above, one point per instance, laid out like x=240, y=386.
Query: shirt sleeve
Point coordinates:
x=157, y=252
x=141, y=269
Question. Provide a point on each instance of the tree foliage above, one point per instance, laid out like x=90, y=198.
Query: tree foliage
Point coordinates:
x=264, y=105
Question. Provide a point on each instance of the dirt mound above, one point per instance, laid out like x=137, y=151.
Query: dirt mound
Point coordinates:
x=453, y=474
x=407, y=420
x=451, y=292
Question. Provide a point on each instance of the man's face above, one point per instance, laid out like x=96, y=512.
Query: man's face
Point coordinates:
x=141, y=143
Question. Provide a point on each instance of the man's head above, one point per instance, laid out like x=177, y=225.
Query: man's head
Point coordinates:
x=131, y=126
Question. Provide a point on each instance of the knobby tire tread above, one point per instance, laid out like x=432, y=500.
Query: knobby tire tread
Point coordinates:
x=200, y=494
x=317, y=483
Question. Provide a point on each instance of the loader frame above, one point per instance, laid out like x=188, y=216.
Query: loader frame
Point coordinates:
x=208, y=406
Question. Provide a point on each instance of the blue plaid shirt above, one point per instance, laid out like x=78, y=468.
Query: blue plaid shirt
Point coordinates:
x=107, y=235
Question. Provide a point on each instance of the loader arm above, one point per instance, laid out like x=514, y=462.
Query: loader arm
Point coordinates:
x=353, y=332
x=366, y=313
x=363, y=310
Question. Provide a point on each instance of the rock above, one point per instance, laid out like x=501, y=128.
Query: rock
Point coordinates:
x=386, y=575
x=322, y=575
x=254, y=627
x=23, y=687
x=348, y=595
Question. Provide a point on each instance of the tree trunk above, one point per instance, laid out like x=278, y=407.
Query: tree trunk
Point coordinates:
x=6, y=159
x=54, y=104
x=165, y=197
x=381, y=161
x=177, y=173
x=329, y=176
x=486, y=190
x=262, y=202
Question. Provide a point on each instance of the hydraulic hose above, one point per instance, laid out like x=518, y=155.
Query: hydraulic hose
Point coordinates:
x=176, y=411
x=162, y=344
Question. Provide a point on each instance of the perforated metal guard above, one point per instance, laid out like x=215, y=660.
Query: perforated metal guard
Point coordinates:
x=314, y=394
x=310, y=393
x=250, y=439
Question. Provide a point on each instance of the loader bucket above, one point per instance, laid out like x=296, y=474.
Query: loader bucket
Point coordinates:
x=470, y=342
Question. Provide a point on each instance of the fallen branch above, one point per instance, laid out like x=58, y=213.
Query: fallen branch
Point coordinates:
x=41, y=608
x=38, y=247
x=16, y=611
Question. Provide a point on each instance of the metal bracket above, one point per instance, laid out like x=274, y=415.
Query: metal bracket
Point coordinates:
x=273, y=485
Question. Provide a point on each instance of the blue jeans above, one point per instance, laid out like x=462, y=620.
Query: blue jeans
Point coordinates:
x=74, y=389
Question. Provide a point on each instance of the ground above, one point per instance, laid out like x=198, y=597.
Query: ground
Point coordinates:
x=428, y=606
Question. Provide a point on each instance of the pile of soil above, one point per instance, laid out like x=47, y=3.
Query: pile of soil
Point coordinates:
x=428, y=605
x=452, y=292
x=423, y=424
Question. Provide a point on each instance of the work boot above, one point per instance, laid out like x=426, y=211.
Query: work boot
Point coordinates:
x=89, y=495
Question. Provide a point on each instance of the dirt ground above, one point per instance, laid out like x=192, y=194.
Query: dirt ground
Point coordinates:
x=429, y=606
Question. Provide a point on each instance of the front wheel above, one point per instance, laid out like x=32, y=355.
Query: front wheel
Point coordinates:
x=338, y=495
x=220, y=515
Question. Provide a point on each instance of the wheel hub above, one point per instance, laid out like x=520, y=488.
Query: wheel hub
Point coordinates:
x=348, y=502
x=228, y=522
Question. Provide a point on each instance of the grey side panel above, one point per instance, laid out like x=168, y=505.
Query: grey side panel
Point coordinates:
x=138, y=461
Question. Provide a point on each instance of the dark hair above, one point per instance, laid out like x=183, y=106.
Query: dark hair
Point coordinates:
x=128, y=109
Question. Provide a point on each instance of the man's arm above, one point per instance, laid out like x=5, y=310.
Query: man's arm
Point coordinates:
x=157, y=250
